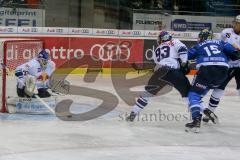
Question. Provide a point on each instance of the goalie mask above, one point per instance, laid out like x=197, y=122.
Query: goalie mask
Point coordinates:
x=163, y=37
x=43, y=58
x=205, y=34
x=236, y=24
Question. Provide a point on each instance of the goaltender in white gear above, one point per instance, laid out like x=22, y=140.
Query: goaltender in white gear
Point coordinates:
x=34, y=75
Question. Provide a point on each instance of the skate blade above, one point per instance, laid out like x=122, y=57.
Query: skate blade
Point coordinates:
x=129, y=120
x=205, y=121
x=214, y=119
x=194, y=130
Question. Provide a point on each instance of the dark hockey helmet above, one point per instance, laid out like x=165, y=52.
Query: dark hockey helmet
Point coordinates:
x=205, y=34
x=164, y=36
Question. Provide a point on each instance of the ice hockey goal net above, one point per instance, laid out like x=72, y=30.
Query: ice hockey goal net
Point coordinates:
x=13, y=53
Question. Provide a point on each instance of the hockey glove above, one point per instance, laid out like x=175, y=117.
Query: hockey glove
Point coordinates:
x=184, y=68
x=238, y=55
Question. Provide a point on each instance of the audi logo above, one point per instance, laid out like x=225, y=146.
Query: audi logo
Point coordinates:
x=59, y=30
x=84, y=31
x=187, y=34
x=110, y=32
x=136, y=32
x=110, y=52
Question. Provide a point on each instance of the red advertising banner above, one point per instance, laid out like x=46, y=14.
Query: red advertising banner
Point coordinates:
x=65, y=50
x=106, y=50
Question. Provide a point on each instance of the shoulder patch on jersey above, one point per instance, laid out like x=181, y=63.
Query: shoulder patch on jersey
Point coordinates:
x=228, y=35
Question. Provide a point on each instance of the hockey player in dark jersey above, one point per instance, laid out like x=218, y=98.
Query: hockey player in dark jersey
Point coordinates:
x=212, y=64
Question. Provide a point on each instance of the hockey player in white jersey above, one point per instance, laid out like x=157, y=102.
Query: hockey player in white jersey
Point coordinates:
x=35, y=74
x=232, y=36
x=170, y=56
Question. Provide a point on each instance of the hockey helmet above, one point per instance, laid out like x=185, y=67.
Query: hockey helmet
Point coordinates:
x=164, y=36
x=236, y=24
x=43, y=57
x=205, y=34
x=237, y=18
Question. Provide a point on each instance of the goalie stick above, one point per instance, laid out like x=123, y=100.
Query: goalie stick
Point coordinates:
x=45, y=104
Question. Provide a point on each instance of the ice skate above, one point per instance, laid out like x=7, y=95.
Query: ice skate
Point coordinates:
x=131, y=117
x=209, y=115
x=194, y=126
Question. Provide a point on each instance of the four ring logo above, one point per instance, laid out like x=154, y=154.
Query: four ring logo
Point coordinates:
x=187, y=35
x=84, y=31
x=110, y=52
x=59, y=30
x=136, y=33
x=110, y=32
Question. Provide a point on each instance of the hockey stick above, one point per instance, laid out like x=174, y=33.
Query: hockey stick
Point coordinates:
x=45, y=104
x=135, y=67
x=55, y=93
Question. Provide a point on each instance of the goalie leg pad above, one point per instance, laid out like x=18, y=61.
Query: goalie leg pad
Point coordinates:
x=43, y=93
x=29, y=105
x=30, y=85
x=21, y=92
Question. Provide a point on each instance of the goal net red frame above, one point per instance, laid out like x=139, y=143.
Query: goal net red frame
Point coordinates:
x=14, y=52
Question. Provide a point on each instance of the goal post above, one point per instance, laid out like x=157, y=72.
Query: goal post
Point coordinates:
x=14, y=52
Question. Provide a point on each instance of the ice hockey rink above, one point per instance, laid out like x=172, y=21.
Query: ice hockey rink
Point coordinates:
x=45, y=137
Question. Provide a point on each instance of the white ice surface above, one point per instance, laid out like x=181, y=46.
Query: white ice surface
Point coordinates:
x=39, y=137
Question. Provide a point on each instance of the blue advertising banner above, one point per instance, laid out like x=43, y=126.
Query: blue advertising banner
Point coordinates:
x=183, y=25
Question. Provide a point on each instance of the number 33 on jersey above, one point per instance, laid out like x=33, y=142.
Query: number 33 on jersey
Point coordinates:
x=168, y=53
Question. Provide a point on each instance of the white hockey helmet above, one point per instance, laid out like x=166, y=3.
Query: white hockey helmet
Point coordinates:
x=237, y=19
x=236, y=24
